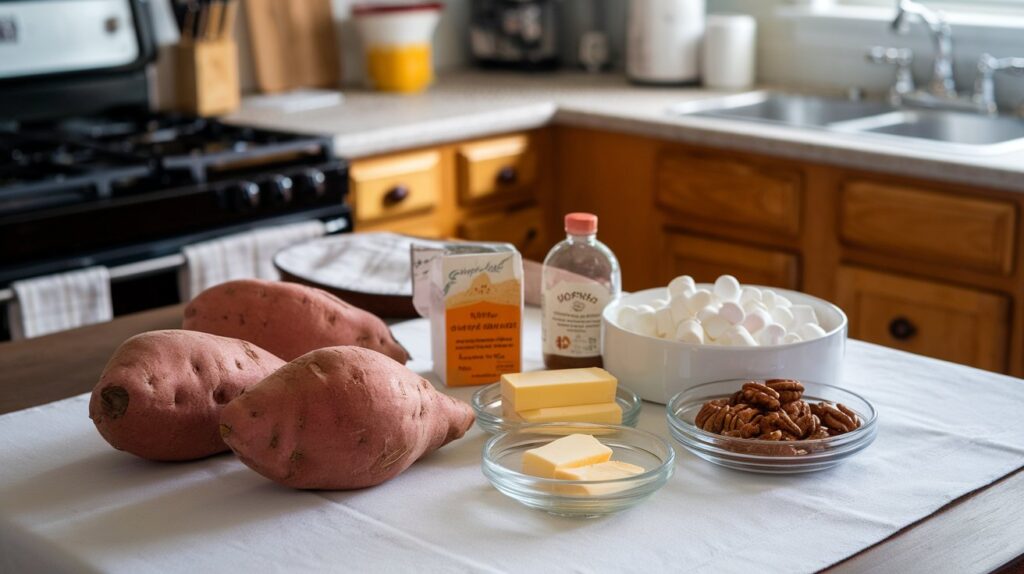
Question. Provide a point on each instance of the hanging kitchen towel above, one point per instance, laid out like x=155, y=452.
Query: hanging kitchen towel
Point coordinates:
x=245, y=255
x=270, y=240
x=44, y=305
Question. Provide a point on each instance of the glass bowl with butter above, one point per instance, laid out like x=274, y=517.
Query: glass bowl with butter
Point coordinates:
x=590, y=395
x=606, y=468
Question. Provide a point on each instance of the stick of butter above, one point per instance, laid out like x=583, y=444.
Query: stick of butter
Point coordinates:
x=562, y=388
x=609, y=413
x=609, y=470
x=567, y=452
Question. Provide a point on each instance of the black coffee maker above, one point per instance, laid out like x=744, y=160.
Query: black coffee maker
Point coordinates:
x=518, y=34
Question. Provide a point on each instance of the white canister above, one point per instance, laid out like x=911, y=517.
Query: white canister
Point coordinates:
x=730, y=51
x=663, y=41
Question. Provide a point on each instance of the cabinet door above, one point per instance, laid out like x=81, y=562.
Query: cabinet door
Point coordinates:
x=522, y=227
x=952, y=323
x=717, y=188
x=395, y=185
x=498, y=168
x=924, y=224
x=706, y=259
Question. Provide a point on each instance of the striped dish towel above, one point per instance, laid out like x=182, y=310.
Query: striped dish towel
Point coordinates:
x=44, y=305
x=248, y=255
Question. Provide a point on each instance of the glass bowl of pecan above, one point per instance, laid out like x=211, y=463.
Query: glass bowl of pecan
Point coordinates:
x=777, y=426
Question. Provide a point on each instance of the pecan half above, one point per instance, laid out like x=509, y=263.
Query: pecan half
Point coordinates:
x=788, y=389
x=760, y=395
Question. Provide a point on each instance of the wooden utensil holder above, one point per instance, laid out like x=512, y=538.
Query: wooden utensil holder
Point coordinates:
x=207, y=77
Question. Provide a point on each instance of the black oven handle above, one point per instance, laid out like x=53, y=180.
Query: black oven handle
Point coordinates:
x=147, y=267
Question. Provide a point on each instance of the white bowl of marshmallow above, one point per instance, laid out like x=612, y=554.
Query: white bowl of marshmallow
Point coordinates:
x=662, y=341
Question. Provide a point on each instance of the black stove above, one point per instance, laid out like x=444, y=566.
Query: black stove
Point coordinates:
x=89, y=176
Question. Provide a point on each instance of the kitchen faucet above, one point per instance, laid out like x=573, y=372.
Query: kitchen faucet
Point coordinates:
x=941, y=84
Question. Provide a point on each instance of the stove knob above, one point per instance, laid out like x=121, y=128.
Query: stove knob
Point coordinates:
x=243, y=196
x=311, y=185
x=278, y=190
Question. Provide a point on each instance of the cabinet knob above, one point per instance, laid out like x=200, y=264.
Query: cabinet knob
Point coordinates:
x=902, y=329
x=531, y=234
x=507, y=175
x=396, y=195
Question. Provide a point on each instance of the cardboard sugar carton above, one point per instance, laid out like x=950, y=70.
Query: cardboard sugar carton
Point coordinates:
x=473, y=295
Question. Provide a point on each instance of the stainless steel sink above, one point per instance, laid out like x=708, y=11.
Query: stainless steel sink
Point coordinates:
x=935, y=129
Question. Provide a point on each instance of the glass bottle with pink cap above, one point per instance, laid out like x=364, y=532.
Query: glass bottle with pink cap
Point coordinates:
x=580, y=278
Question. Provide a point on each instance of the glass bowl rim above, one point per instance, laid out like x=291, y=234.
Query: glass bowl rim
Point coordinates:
x=666, y=466
x=711, y=438
x=625, y=393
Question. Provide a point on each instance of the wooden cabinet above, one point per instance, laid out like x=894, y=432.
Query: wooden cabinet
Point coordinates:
x=716, y=187
x=523, y=227
x=706, y=259
x=491, y=189
x=926, y=317
x=496, y=168
x=396, y=185
x=925, y=224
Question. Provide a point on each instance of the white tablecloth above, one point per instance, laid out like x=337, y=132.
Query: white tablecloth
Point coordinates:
x=69, y=502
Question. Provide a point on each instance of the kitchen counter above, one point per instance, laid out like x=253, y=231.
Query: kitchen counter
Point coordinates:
x=469, y=104
x=207, y=514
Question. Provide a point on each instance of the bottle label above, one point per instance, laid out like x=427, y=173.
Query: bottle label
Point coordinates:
x=572, y=318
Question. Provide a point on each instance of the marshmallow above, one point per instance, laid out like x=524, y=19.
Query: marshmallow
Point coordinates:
x=627, y=317
x=679, y=307
x=699, y=299
x=732, y=312
x=756, y=320
x=682, y=285
x=659, y=304
x=749, y=294
x=803, y=315
x=690, y=331
x=739, y=337
x=715, y=326
x=781, y=301
x=750, y=305
x=768, y=298
x=727, y=288
x=791, y=338
x=645, y=323
x=664, y=325
x=782, y=316
x=809, y=331
x=771, y=335
x=706, y=313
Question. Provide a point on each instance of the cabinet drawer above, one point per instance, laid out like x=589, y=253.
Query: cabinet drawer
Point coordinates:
x=930, y=225
x=523, y=228
x=395, y=185
x=952, y=323
x=496, y=168
x=706, y=259
x=731, y=191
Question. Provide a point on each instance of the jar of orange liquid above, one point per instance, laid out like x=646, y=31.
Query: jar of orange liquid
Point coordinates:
x=397, y=39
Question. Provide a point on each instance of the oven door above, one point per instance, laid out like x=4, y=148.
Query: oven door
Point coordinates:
x=146, y=276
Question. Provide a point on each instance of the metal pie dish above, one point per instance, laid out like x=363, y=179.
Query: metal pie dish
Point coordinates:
x=487, y=406
x=763, y=456
x=502, y=465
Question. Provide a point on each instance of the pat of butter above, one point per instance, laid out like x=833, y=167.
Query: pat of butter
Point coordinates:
x=562, y=388
x=609, y=413
x=609, y=470
x=567, y=452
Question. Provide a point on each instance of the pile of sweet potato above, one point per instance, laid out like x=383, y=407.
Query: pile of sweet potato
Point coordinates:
x=343, y=413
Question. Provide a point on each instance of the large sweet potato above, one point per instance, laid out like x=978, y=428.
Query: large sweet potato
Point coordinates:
x=340, y=418
x=287, y=319
x=161, y=394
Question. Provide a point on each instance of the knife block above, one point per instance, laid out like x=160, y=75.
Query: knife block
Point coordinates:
x=207, y=77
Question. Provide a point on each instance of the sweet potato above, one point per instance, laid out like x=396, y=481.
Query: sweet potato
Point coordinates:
x=287, y=319
x=340, y=418
x=161, y=394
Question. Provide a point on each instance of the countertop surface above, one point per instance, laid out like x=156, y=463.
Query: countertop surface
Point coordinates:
x=469, y=104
